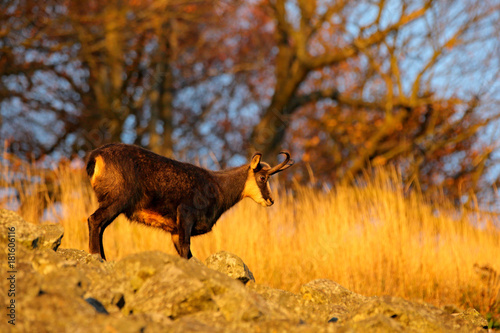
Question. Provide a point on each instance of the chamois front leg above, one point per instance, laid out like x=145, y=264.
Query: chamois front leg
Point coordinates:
x=182, y=238
x=175, y=240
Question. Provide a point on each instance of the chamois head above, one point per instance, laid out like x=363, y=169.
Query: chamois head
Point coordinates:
x=257, y=186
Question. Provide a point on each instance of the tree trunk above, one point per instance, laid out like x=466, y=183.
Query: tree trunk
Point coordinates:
x=163, y=94
x=267, y=136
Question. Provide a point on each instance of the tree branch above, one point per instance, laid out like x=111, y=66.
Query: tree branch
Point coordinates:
x=357, y=45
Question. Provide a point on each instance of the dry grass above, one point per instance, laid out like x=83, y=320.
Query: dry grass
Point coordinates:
x=374, y=239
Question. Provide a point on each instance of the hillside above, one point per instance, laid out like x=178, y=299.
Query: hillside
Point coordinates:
x=68, y=290
x=379, y=238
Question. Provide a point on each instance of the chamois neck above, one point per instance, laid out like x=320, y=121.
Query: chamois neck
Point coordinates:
x=231, y=182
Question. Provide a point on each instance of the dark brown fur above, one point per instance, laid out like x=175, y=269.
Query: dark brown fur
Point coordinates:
x=180, y=198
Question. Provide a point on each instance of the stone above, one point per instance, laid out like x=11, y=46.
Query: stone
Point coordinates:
x=410, y=316
x=97, y=305
x=471, y=315
x=303, y=309
x=180, y=288
x=44, y=236
x=79, y=256
x=324, y=291
x=69, y=290
x=52, y=235
x=230, y=265
x=377, y=324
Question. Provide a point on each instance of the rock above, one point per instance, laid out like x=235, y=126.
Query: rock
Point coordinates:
x=278, y=326
x=27, y=281
x=172, y=293
x=302, y=308
x=323, y=299
x=280, y=297
x=44, y=236
x=324, y=291
x=54, y=312
x=230, y=265
x=179, y=288
x=69, y=290
x=377, y=324
x=186, y=326
x=471, y=315
x=196, y=261
x=79, y=256
x=405, y=316
x=52, y=235
x=97, y=305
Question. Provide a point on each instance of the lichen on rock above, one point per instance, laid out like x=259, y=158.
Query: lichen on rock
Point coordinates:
x=69, y=290
x=231, y=265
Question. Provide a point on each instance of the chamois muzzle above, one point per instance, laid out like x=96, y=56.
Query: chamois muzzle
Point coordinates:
x=268, y=202
x=283, y=165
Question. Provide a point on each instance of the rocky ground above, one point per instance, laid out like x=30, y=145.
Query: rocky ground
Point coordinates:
x=68, y=290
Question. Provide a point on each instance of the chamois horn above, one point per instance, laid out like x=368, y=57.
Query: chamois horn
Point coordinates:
x=283, y=165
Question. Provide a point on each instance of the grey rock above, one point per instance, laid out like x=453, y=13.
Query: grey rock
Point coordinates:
x=323, y=299
x=69, y=290
x=324, y=291
x=52, y=235
x=378, y=324
x=44, y=236
x=472, y=316
x=409, y=316
x=300, y=307
x=54, y=312
x=192, y=325
x=172, y=293
x=79, y=256
x=230, y=265
x=97, y=305
x=179, y=288
x=279, y=326
x=196, y=261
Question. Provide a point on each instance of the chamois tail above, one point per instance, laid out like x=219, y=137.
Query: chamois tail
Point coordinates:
x=90, y=165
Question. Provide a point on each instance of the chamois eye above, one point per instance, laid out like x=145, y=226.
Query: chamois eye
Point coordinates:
x=262, y=178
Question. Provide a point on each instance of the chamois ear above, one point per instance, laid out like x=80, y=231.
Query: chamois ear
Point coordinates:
x=255, y=160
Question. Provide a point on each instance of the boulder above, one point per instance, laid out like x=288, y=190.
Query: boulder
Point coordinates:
x=323, y=291
x=319, y=301
x=231, y=265
x=179, y=288
x=80, y=257
x=472, y=316
x=325, y=300
x=69, y=290
x=43, y=236
x=408, y=316
x=378, y=324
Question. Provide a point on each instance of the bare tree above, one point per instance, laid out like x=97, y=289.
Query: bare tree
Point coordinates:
x=108, y=69
x=368, y=83
x=347, y=85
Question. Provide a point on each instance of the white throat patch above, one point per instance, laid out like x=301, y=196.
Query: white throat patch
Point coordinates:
x=252, y=190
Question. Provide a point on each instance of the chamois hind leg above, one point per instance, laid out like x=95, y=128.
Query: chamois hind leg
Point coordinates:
x=98, y=222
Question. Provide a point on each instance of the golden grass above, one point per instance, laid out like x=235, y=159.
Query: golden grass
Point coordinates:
x=374, y=239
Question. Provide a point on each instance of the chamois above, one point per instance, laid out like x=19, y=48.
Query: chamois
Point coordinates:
x=180, y=198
